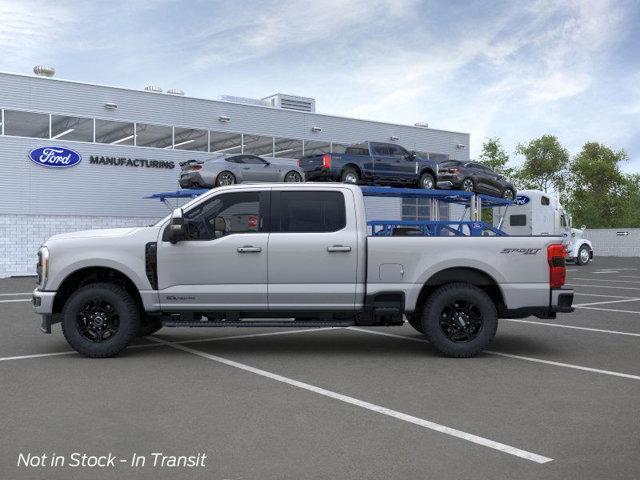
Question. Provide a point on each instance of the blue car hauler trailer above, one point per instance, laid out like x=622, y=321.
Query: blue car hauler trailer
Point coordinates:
x=473, y=203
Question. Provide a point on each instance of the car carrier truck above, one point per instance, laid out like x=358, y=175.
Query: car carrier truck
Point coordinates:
x=535, y=212
x=294, y=255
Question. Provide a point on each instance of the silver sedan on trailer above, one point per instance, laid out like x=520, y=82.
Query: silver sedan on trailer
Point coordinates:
x=230, y=169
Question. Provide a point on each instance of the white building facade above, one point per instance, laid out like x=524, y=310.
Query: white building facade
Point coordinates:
x=130, y=144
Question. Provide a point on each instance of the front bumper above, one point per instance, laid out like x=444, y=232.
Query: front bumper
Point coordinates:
x=42, y=303
x=560, y=301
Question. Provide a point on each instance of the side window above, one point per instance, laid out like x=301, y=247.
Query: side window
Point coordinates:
x=544, y=200
x=381, y=149
x=517, y=220
x=563, y=221
x=396, y=151
x=253, y=160
x=235, y=160
x=312, y=211
x=224, y=215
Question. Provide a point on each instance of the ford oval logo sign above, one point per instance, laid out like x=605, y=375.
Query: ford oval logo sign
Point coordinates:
x=56, y=157
x=521, y=200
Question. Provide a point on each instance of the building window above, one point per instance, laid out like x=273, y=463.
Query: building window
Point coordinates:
x=157, y=136
x=224, y=142
x=72, y=128
x=26, y=124
x=114, y=133
x=258, y=145
x=312, y=147
x=419, y=209
x=287, y=148
x=191, y=139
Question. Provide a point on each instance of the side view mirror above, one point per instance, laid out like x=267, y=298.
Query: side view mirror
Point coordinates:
x=176, y=226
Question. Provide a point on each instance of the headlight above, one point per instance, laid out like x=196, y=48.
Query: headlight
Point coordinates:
x=43, y=266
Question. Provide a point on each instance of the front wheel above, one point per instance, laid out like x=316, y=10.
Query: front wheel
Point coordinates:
x=149, y=326
x=100, y=320
x=468, y=185
x=459, y=320
x=584, y=255
x=427, y=181
x=293, y=177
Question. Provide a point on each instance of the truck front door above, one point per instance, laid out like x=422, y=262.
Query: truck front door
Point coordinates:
x=222, y=264
x=313, y=250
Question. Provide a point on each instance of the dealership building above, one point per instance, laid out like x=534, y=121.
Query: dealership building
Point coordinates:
x=129, y=144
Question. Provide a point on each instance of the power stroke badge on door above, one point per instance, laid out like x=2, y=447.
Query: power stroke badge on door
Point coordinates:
x=55, y=157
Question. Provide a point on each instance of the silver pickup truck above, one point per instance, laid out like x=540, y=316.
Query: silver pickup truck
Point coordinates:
x=286, y=255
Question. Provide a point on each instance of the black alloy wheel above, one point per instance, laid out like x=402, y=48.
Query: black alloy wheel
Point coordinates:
x=97, y=321
x=461, y=321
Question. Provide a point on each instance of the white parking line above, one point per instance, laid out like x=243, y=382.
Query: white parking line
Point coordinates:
x=573, y=327
x=14, y=294
x=600, y=295
x=632, y=299
x=509, y=355
x=611, y=310
x=196, y=340
x=603, y=286
x=16, y=300
x=605, y=280
x=485, y=442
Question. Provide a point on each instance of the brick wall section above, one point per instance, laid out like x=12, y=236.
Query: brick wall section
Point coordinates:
x=22, y=235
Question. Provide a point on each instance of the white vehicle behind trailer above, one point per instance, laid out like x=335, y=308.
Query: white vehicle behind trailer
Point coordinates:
x=537, y=213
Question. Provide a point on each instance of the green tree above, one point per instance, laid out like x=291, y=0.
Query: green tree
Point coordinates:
x=495, y=157
x=600, y=193
x=545, y=165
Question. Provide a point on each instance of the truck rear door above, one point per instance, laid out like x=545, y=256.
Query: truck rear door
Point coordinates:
x=313, y=250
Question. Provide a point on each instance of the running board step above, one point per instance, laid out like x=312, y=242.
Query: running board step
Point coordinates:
x=259, y=323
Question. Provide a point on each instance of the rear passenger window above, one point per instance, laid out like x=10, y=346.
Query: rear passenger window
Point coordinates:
x=518, y=220
x=312, y=212
x=544, y=200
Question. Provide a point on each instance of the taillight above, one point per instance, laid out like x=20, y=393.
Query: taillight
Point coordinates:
x=557, y=267
x=298, y=162
x=326, y=161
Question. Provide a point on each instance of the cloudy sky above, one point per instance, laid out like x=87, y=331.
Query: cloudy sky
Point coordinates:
x=515, y=70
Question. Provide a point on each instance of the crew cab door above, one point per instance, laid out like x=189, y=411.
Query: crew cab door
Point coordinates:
x=313, y=250
x=222, y=264
x=382, y=163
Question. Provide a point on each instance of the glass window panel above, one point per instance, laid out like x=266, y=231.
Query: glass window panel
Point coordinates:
x=316, y=148
x=258, y=145
x=288, y=148
x=227, y=143
x=190, y=139
x=115, y=133
x=338, y=147
x=312, y=212
x=158, y=136
x=26, y=124
x=72, y=128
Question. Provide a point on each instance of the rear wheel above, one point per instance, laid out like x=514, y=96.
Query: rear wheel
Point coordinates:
x=459, y=320
x=468, y=185
x=225, y=178
x=100, y=320
x=293, y=177
x=584, y=255
x=508, y=194
x=350, y=175
x=427, y=181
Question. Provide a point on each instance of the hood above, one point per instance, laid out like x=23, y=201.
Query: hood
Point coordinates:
x=102, y=233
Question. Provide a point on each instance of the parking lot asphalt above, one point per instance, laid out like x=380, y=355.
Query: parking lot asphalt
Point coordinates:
x=550, y=399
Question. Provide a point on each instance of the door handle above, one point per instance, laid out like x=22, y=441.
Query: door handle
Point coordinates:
x=249, y=249
x=338, y=248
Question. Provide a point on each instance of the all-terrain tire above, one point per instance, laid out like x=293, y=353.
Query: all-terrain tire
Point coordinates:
x=348, y=174
x=581, y=255
x=415, y=320
x=149, y=326
x=122, y=306
x=439, y=302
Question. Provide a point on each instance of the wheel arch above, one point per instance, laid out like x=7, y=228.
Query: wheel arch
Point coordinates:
x=354, y=166
x=469, y=275
x=98, y=274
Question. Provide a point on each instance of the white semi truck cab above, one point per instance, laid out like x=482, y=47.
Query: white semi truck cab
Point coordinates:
x=537, y=213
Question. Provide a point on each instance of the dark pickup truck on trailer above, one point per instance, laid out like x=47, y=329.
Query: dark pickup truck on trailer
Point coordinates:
x=372, y=163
